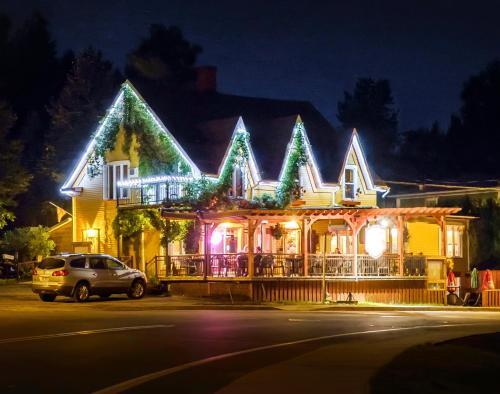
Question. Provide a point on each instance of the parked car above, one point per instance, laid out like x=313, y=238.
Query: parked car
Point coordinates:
x=83, y=275
x=7, y=267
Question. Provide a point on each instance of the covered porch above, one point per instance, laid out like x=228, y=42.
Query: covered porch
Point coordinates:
x=343, y=243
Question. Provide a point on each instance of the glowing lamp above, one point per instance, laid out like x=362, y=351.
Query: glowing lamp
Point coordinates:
x=291, y=225
x=216, y=238
x=384, y=222
x=91, y=233
x=375, y=242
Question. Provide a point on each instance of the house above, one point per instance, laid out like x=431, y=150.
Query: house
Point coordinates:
x=445, y=194
x=252, y=196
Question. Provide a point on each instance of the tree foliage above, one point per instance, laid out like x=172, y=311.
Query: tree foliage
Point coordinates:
x=165, y=57
x=14, y=179
x=370, y=109
x=28, y=242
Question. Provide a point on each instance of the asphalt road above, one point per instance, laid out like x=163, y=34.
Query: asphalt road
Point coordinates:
x=142, y=346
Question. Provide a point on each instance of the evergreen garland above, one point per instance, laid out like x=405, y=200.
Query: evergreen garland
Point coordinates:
x=238, y=155
x=157, y=152
x=289, y=187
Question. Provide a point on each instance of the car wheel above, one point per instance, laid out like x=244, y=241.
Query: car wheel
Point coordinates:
x=104, y=295
x=137, y=290
x=47, y=297
x=82, y=292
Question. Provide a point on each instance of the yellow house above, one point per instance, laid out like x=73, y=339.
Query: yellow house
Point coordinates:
x=247, y=202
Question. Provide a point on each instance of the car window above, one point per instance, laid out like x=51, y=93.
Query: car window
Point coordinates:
x=78, y=263
x=114, y=265
x=97, y=263
x=51, y=263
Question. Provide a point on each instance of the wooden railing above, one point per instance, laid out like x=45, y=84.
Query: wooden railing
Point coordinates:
x=153, y=193
x=235, y=265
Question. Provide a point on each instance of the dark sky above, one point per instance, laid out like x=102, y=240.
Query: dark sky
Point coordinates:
x=311, y=50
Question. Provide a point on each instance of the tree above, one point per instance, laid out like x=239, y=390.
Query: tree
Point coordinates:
x=87, y=92
x=13, y=177
x=164, y=57
x=422, y=153
x=28, y=242
x=370, y=109
x=475, y=134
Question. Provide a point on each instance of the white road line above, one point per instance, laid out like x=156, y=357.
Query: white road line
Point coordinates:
x=85, y=332
x=134, y=382
x=300, y=320
x=392, y=316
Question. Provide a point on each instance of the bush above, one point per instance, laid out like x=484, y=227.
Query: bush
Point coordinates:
x=28, y=242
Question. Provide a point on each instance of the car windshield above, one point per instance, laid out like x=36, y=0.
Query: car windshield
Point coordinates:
x=51, y=263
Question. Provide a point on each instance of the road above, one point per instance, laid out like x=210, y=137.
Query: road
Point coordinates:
x=143, y=346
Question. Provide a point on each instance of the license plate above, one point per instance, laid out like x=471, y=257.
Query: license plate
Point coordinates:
x=44, y=278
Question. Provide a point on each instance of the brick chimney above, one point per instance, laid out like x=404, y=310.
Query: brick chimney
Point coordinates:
x=206, y=79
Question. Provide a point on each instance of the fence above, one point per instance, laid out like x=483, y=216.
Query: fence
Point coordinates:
x=377, y=291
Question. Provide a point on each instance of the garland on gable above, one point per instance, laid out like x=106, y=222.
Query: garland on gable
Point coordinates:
x=238, y=155
x=156, y=150
x=289, y=187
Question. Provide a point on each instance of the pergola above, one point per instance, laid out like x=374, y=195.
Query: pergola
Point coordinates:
x=356, y=218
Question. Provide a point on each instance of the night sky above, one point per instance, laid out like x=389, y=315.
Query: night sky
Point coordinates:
x=312, y=50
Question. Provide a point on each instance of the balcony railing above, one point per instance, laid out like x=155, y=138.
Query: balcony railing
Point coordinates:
x=235, y=265
x=152, y=193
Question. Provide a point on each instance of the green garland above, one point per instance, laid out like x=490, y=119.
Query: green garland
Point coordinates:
x=289, y=187
x=238, y=154
x=157, y=152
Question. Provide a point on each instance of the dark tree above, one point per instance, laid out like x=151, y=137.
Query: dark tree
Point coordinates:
x=370, y=109
x=475, y=135
x=87, y=92
x=422, y=153
x=164, y=57
x=13, y=178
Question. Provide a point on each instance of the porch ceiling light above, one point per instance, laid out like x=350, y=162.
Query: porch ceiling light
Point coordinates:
x=384, y=222
x=91, y=233
x=216, y=238
x=375, y=242
x=291, y=225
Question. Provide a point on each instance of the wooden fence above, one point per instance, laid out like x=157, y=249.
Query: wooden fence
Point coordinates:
x=389, y=292
x=491, y=298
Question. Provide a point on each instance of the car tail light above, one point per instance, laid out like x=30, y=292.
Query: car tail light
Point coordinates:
x=35, y=271
x=60, y=273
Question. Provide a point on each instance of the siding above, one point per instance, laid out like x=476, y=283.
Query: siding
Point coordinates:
x=424, y=238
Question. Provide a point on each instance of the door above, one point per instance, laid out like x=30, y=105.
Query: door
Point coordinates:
x=99, y=274
x=119, y=276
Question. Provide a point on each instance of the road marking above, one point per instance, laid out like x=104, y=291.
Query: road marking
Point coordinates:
x=84, y=332
x=299, y=320
x=391, y=316
x=134, y=382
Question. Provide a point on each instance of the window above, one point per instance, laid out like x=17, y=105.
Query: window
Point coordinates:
x=114, y=265
x=454, y=236
x=51, y=263
x=350, y=182
x=238, y=186
x=78, y=263
x=97, y=263
x=114, y=173
x=392, y=240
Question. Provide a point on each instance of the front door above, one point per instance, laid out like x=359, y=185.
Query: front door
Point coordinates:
x=119, y=277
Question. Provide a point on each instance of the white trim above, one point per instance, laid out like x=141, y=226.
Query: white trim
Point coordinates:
x=355, y=182
x=70, y=182
x=136, y=182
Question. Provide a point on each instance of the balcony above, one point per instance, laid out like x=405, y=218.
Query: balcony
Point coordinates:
x=152, y=191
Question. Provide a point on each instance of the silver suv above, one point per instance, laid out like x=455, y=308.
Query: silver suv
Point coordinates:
x=83, y=275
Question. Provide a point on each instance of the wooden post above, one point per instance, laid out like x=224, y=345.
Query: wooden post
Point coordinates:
x=355, y=251
x=305, y=251
x=206, y=250
x=251, y=231
x=401, y=229
x=442, y=225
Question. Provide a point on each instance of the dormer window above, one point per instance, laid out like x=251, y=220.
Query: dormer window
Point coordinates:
x=350, y=183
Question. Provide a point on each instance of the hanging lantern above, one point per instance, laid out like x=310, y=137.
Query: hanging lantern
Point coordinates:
x=375, y=241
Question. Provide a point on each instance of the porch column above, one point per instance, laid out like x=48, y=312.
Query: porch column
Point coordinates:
x=354, y=252
x=251, y=231
x=206, y=249
x=305, y=244
x=442, y=226
x=401, y=251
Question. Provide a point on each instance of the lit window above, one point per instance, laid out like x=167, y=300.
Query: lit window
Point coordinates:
x=350, y=183
x=454, y=236
x=114, y=173
x=238, y=186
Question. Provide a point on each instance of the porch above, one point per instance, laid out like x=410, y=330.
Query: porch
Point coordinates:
x=335, y=243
